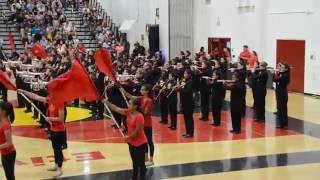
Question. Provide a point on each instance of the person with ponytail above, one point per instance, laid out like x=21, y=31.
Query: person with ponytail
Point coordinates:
x=136, y=137
x=8, y=151
x=56, y=118
x=147, y=108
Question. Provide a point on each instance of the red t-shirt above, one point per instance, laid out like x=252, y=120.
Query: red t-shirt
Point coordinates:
x=4, y=127
x=147, y=107
x=252, y=61
x=56, y=126
x=245, y=55
x=132, y=122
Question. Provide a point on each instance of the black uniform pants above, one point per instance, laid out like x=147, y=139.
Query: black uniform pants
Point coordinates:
x=173, y=111
x=148, y=133
x=236, y=114
x=205, y=99
x=138, y=161
x=8, y=162
x=243, y=103
x=260, y=104
x=187, y=110
x=164, y=109
x=282, y=109
x=58, y=141
x=216, y=110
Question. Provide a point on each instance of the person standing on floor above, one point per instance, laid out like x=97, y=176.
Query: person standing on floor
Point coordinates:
x=136, y=137
x=237, y=88
x=187, y=102
x=56, y=118
x=217, y=97
x=205, y=71
x=172, y=100
x=282, y=79
x=260, y=78
x=146, y=109
x=8, y=151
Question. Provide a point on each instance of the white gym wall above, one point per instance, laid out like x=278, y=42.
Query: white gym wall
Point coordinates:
x=257, y=23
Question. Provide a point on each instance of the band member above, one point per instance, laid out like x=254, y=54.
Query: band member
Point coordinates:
x=8, y=152
x=217, y=97
x=56, y=118
x=187, y=102
x=260, y=78
x=172, y=100
x=162, y=95
x=236, y=88
x=115, y=97
x=146, y=108
x=282, y=80
x=3, y=89
x=242, y=71
x=205, y=91
x=136, y=137
x=98, y=107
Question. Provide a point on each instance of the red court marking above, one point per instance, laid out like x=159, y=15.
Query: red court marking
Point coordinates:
x=101, y=132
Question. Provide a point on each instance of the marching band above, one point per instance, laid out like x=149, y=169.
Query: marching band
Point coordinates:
x=174, y=83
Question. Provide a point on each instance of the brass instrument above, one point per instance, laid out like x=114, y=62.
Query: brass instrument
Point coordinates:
x=226, y=81
x=27, y=67
x=27, y=78
x=38, y=84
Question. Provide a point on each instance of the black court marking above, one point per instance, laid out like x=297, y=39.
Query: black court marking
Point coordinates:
x=225, y=165
x=211, y=167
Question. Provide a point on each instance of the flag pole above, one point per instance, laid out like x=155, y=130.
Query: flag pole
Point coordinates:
x=112, y=117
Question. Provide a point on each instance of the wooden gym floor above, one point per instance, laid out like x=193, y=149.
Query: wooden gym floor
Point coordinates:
x=260, y=152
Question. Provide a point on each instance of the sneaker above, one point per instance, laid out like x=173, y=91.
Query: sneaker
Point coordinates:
x=53, y=169
x=59, y=173
x=149, y=163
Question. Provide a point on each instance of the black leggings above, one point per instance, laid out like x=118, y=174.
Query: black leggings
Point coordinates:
x=58, y=141
x=8, y=162
x=138, y=158
x=148, y=132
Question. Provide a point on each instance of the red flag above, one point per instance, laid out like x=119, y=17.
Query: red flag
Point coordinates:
x=71, y=85
x=11, y=42
x=104, y=63
x=38, y=51
x=5, y=81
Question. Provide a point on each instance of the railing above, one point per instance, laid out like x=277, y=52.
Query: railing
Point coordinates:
x=106, y=18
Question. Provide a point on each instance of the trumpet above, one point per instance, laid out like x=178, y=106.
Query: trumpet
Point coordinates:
x=27, y=78
x=27, y=66
x=226, y=81
x=20, y=73
x=125, y=76
x=38, y=85
x=207, y=77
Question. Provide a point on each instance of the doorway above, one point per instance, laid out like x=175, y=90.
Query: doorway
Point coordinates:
x=293, y=53
x=216, y=46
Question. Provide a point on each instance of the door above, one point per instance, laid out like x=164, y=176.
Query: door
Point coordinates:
x=293, y=53
x=217, y=46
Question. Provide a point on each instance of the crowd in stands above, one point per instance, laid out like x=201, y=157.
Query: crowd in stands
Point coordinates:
x=45, y=21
